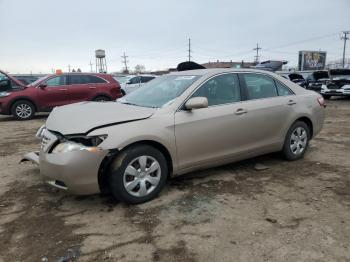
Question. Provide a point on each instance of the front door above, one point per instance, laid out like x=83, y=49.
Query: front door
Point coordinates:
x=214, y=133
x=55, y=93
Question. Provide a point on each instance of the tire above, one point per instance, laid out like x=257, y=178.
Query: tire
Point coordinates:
x=23, y=110
x=296, y=141
x=101, y=99
x=126, y=170
x=326, y=96
x=123, y=92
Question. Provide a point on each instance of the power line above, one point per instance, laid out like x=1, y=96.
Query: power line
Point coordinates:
x=257, y=48
x=344, y=37
x=125, y=62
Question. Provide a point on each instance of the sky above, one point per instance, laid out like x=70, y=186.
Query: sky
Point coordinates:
x=39, y=36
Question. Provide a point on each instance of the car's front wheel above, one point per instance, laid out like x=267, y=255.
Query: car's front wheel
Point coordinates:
x=23, y=110
x=327, y=96
x=296, y=141
x=138, y=174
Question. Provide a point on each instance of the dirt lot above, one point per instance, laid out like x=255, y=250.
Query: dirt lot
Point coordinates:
x=293, y=211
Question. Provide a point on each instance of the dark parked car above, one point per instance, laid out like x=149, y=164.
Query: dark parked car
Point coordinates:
x=54, y=90
x=316, y=79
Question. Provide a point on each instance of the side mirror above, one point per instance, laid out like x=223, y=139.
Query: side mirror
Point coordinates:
x=196, y=103
x=42, y=85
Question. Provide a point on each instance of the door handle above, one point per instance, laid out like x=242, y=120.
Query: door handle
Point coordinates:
x=92, y=87
x=63, y=89
x=291, y=102
x=241, y=111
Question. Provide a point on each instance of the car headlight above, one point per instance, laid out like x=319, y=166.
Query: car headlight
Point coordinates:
x=4, y=94
x=66, y=147
x=80, y=143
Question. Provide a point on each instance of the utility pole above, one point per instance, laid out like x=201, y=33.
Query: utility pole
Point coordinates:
x=257, y=48
x=68, y=68
x=344, y=37
x=189, y=49
x=90, y=66
x=125, y=62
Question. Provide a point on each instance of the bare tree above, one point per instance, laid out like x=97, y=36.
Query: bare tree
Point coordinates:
x=139, y=69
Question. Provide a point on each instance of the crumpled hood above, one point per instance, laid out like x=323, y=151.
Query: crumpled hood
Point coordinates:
x=81, y=118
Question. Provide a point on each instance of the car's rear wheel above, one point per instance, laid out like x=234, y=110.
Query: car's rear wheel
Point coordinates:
x=101, y=99
x=138, y=174
x=23, y=110
x=296, y=141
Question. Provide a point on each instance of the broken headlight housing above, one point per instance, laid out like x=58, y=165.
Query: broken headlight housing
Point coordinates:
x=72, y=144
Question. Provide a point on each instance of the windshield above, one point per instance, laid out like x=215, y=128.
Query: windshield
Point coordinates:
x=122, y=79
x=160, y=91
x=38, y=81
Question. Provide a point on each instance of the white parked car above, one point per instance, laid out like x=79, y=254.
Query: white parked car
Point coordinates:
x=132, y=82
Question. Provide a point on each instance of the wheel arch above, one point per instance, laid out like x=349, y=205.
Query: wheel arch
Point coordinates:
x=19, y=99
x=308, y=122
x=106, y=162
x=101, y=94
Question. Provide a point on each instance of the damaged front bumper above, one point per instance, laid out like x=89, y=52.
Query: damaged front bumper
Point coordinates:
x=75, y=172
x=32, y=157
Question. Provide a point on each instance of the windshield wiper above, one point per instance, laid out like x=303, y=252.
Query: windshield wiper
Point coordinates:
x=132, y=104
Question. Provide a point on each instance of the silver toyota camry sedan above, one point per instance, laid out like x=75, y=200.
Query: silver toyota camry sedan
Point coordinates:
x=175, y=124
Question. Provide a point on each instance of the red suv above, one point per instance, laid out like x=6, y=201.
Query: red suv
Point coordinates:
x=54, y=90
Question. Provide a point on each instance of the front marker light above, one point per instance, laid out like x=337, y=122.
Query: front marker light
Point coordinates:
x=40, y=132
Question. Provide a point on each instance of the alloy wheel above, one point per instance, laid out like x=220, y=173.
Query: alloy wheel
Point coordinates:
x=298, y=140
x=142, y=176
x=23, y=110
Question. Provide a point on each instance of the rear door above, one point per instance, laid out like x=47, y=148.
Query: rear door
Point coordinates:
x=80, y=88
x=268, y=113
x=54, y=94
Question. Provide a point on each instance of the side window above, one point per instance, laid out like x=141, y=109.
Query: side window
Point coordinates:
x=222, y=89
x=96, y=80
x=135, y=80
x=57, y=81
x=145, y=79
x=283, y=90
x=259, y=86
x=79, y=79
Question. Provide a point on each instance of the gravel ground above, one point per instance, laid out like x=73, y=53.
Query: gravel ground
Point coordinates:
x=292, y=211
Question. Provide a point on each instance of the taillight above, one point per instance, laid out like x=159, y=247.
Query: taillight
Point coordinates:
x=321, y=101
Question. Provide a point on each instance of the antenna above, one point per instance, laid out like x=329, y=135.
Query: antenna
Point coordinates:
x=189, y=49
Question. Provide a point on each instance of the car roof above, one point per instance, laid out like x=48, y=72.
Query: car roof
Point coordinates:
x=213, y=71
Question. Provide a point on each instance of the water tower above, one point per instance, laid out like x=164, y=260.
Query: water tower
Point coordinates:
x=101, y=65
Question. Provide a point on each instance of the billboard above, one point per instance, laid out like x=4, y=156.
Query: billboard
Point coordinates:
x=312, y=60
